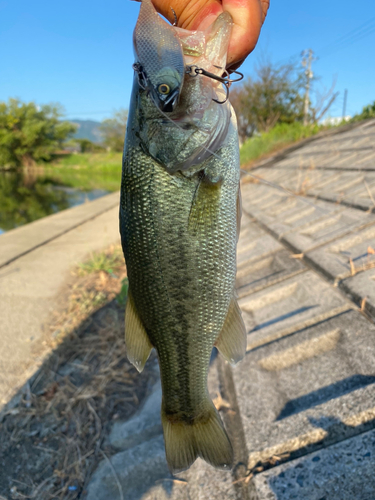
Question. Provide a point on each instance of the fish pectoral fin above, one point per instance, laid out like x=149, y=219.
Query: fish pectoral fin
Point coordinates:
x=231, y=341
x=204, y=209
x=138, y=345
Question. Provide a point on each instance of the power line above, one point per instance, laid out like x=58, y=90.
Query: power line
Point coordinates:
x=351, y=34
x=348, y=41
x=362, y=31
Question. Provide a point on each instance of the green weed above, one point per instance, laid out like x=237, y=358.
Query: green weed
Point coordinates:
x=108, y=262
x=279, y=137
x=123, y=295
x=87, y=171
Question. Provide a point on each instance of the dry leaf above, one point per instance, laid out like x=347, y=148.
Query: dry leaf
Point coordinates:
x=220, y=403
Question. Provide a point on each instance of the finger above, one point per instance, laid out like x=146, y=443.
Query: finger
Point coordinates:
x=247, y=16
x=190, y=14
x=265, y=7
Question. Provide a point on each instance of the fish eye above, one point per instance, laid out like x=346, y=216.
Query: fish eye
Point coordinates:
x=164, y=89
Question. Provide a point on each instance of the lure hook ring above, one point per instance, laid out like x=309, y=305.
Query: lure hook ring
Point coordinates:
x=194, y=71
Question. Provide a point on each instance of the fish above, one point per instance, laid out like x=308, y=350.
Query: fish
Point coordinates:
x=180, y=212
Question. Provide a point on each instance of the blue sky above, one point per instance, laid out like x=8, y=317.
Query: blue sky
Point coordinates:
x=79, y=53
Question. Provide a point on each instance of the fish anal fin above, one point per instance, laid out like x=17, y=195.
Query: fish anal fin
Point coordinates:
x=138, y=345
x=231, y=341
x=203, y=437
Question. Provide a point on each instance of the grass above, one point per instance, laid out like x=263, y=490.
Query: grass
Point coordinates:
x=279, y=137
x=109, y=261
x=52, y=440
x=87, y=171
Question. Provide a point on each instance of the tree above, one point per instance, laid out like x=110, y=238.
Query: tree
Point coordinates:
x=113, y=130
x=323, y=101
x=273, y=95
x=29, y=133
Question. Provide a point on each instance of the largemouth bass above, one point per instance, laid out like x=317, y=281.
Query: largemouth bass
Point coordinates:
x=179, y=220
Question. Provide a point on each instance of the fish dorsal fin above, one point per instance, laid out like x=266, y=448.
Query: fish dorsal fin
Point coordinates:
x=138, y=345
x=231, y=341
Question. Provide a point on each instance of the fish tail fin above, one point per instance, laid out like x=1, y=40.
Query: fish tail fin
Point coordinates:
x=204, y=437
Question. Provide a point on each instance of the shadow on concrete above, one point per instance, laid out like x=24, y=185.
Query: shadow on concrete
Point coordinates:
x=53, y=432
x=283, y=317
x=249, y=284
x=324, y=394
x=348, y=311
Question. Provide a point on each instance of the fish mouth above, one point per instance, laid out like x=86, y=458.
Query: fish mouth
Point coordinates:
x=168, y=103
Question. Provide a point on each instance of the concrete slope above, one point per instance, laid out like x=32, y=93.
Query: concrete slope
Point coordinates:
x=300, y=408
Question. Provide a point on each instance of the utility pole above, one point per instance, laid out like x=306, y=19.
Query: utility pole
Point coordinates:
x=307, y=59
x=344, y=105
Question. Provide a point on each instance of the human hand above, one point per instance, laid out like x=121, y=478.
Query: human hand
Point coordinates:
x=248, y=17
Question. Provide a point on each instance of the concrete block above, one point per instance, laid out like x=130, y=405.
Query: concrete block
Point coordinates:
x=144, y=425
x=308, y=389
x=256, y=274
x=254, y=242
x=304, y=223
x=344, y=471
x=286, y=305
x=297, y=213
x=203, y=482
x=361, y=288
x=345, y=256
x=326, y=229
x=131, y=473
x=349, y=188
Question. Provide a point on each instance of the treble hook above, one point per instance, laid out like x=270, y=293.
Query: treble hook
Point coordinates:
x=175, y=17
x=194, y=71
x=141, y=75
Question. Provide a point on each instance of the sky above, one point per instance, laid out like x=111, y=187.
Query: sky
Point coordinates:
x=79, y=53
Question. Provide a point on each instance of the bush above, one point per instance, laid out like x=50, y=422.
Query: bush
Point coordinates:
x=87, y=146
x=367, y=112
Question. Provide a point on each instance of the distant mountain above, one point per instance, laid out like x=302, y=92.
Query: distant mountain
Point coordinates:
x=87, y=129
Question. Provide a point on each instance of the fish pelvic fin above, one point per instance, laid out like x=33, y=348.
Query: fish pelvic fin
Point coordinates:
x=231, y=342
x=138, y=345
x=203, y=437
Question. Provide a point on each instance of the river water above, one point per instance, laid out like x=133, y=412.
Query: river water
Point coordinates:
x=31, y=195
